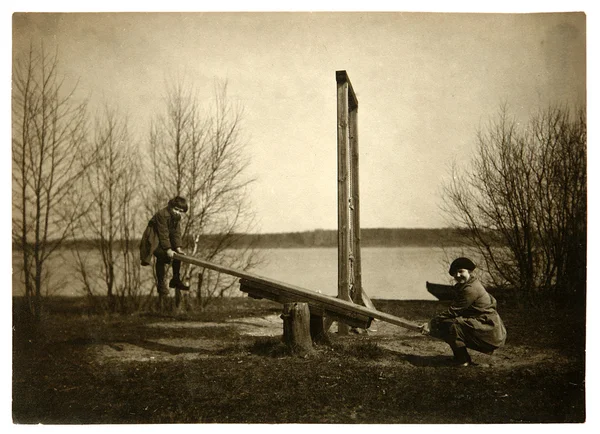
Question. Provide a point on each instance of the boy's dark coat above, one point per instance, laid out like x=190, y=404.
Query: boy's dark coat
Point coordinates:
x=162, y=232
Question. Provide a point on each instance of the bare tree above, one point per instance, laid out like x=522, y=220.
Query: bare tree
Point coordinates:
x=49, y=134
x=112, y=184
x=198, y=153
x=561, y=187
x=522, y=205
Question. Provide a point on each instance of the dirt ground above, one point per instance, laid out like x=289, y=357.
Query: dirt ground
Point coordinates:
x=228, y=365
x=406, y=345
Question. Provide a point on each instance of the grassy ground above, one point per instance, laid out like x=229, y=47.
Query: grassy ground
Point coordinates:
x=228, y=365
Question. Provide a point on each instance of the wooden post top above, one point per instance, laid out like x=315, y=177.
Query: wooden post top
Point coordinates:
x=342, y=77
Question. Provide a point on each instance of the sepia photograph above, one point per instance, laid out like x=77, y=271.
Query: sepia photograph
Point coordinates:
x=268, y=217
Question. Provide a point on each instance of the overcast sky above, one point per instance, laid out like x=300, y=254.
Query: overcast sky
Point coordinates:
x=425, y=83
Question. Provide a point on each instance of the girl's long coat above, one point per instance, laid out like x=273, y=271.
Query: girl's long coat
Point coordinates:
x=162, y=232
x=474, y=310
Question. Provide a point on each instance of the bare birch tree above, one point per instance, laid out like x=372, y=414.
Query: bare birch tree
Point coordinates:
x=199, y=153
x=112, y=184
x=522, y=205
x=48, y=140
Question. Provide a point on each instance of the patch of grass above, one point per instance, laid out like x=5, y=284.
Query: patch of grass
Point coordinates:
x=270, y=347
x=360, y=349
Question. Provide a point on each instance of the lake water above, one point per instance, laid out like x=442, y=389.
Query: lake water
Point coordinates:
x=387, y=272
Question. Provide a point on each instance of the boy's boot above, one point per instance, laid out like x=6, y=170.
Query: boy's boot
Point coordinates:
x=176, y=280
x=176, y=283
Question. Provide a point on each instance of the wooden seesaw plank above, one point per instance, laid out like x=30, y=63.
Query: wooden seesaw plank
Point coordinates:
x=287, y=290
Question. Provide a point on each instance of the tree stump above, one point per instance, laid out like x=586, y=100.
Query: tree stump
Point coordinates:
x=296, y=327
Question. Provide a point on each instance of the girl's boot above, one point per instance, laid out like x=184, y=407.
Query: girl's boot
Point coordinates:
x=461, y=356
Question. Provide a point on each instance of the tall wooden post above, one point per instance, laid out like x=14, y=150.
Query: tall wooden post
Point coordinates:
x=349, y=260
x=355, y=259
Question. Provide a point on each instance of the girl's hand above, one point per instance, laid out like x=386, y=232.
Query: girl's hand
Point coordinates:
x=170, y=253
x=425, y=329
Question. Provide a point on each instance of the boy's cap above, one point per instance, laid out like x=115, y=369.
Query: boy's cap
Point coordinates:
x=179, y=202
x=461, y=263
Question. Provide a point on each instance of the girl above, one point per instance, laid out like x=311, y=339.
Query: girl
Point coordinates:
x=472, y=320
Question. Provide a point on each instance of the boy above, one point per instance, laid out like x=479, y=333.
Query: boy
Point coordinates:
x=471, y=321
x=162, y=238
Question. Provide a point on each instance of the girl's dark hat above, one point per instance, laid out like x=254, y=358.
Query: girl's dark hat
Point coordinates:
x=461, y=264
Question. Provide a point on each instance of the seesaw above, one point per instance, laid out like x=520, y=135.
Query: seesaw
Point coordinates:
x=320, y=305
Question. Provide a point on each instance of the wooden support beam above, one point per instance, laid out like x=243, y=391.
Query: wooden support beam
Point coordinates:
x=347, y=135
x=317, y=307
x=343, y=187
